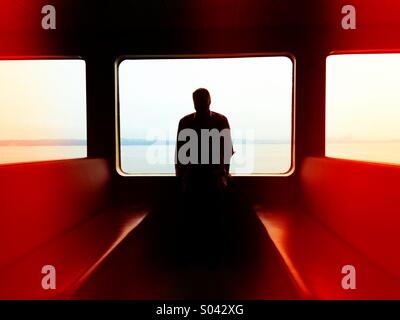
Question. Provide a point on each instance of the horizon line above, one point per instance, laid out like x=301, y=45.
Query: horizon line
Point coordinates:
x=141, y=141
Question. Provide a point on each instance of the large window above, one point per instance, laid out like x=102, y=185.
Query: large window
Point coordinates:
x=42, y=110
x=254, y=93
x=363, y=107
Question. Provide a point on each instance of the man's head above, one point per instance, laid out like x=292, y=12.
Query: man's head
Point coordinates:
x=201, y=100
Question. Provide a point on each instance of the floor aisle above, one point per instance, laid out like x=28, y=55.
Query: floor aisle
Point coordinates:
x=158, y=261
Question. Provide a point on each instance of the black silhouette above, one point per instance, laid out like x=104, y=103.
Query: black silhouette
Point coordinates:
x=203, y=184
x=214, y=175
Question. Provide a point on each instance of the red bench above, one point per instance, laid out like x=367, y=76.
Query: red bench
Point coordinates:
x=348, y=213
x=57, y=213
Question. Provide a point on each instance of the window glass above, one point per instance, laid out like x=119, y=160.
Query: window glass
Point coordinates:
x=42, y=110
x=254, y=93
x=363, y=107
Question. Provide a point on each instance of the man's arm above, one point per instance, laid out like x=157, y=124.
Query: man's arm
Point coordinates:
x=230, y=143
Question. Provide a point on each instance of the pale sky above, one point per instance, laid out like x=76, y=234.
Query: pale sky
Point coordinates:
x=42, y=99
x=254, y=94
x=363, y=97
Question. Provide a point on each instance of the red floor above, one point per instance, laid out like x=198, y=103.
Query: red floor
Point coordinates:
x=148, y=265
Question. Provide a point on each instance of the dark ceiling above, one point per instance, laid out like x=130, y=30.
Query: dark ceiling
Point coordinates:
x=131, y=26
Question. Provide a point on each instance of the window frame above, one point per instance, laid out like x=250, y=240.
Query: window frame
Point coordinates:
x=353, y=52
x=122, y=58
x=53, y=57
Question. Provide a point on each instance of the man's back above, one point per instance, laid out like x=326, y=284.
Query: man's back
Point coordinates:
x=212, y=145
x=203, y=147
x=203, y=153
x=214, y=120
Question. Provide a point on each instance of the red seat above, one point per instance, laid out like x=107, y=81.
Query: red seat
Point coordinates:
x=360, y=202
x=57, y=213
x=75, y=255
x=39, y=201
x=348, y=215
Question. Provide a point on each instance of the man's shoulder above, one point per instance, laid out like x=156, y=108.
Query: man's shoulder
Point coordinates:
x=188, y=117
x=219, y=117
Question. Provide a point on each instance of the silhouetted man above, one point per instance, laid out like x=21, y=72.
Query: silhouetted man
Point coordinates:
x=204, y=147
x=203, y=154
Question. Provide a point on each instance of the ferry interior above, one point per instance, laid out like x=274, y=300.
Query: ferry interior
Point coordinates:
x=320, y=220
